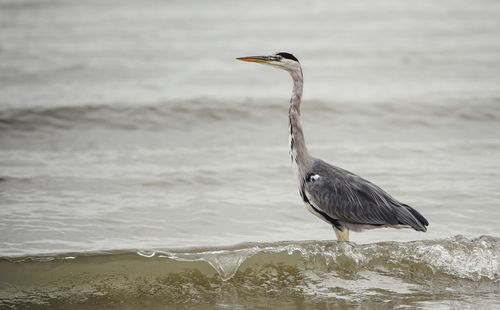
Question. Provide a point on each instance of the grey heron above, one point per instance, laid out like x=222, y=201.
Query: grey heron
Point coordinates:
x=339, y=197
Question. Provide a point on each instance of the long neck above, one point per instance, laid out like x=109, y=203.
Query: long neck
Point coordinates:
x=298, y=150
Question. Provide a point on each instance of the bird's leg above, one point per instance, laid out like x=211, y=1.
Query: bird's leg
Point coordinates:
x=342, y=234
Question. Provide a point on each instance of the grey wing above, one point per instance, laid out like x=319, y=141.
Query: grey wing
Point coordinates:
x=348, y=198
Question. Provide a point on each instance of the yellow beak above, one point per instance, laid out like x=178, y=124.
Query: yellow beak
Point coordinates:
x=257, y=59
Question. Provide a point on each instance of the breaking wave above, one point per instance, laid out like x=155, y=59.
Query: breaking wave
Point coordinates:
x=471, y=259
x=322, y=269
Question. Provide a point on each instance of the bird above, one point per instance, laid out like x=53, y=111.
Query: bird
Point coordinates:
x=335, y=195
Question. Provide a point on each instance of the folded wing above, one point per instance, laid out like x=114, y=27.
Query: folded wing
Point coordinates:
x=351, y=199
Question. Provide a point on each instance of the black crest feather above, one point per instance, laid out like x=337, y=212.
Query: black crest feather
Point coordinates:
x=287, y=56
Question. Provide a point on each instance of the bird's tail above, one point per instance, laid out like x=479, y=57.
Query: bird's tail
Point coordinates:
x=421, y=222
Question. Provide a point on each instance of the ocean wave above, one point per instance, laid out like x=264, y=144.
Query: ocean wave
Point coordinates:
x=312, y=269
x=472, y=259
x=181, y=114
x=458, y=257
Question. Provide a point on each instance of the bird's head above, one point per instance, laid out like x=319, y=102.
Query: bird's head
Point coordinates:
x=282, y=60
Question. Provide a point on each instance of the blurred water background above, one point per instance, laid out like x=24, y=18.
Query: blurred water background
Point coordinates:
x=130, y=136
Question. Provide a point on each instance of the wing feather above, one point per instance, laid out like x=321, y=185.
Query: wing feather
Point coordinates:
x=349, y=198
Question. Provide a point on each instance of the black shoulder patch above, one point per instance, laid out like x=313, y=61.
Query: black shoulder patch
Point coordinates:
x=288, y=56
x=311, y=177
